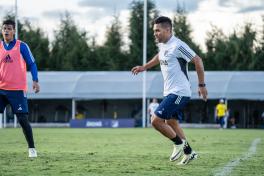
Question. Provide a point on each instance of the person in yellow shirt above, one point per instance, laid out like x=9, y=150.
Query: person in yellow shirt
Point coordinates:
x=79, y=115
x=221, y=112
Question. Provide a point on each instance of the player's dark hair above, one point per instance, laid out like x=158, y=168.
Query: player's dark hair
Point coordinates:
x=164, y=21
x=9, y=22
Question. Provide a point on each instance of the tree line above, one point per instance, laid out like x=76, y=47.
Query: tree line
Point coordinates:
x=73, y=50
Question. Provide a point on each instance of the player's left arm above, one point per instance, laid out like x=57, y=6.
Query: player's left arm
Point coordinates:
x=199, y=67
x=189, y=55
x=30, y=60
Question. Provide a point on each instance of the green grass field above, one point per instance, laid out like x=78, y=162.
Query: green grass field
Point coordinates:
x=127, y=152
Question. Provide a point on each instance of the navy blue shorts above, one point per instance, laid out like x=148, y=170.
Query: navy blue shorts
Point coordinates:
x=16, y=98
x=171, y=106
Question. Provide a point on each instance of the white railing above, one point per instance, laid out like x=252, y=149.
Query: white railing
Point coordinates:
x=3, y=120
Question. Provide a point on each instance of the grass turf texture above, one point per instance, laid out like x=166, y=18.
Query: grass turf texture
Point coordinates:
x=126, y=152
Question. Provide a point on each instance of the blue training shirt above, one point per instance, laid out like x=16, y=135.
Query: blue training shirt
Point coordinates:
x=27, y=56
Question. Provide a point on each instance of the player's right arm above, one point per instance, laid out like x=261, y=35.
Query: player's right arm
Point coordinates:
x=154, y=61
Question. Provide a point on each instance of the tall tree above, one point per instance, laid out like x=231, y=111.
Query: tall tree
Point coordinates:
x=182, y=29
x=38, y=42
x=111, y=52
x=136, y=31
x=245, y=60
x=259, y=57
x=70, y=50
x=235, y=52
x=212, y=38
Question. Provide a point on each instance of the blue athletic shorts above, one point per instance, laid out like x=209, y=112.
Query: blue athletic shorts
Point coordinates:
x=171, y=106
x=16, y=98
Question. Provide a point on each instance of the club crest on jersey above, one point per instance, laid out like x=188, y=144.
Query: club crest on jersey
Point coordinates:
x=7, y=59
x=167, y=53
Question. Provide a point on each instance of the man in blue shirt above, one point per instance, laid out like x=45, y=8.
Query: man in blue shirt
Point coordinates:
x=14, y=56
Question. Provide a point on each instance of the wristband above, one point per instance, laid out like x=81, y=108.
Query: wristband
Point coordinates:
x=201, y=85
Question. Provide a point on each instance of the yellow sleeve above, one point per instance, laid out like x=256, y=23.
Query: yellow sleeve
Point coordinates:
x=217, y=107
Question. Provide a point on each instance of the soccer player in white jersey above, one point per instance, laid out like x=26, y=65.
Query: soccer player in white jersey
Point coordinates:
x=173, y=57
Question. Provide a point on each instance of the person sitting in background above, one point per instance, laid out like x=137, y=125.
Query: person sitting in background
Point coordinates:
x=79, y=115
x=232, y=122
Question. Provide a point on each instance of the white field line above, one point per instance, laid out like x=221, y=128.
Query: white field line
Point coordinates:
x=229, y=166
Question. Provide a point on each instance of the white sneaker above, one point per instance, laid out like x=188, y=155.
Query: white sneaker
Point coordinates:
x=177, y=152
x=32, y=153
x=188, y=158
